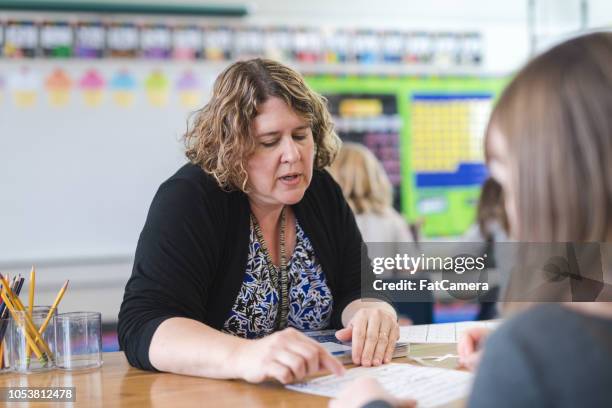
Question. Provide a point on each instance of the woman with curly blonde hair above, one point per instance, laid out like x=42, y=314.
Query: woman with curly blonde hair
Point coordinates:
x=250, y=241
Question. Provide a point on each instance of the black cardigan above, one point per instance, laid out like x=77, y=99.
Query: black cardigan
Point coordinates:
x=192, y=254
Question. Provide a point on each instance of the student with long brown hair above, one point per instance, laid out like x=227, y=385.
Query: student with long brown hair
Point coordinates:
x=549, y=145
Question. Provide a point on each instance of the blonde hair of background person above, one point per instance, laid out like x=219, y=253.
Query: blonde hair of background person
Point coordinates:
x=206, y=296
x=549, y=145
x=362, y=179
x=367, y=189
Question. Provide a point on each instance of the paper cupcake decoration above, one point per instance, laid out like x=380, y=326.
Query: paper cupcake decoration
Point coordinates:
x=122, y=86
x=58, y=86
x=91, y=85
x=157, y=88
x=24, y=85
x=189, y=90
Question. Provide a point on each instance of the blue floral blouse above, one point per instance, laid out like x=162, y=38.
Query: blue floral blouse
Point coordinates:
x=257, y=304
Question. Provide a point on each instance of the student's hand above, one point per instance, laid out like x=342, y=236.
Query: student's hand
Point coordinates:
x=373, y=333
x=286, y=356
x=469, y=347
x=364, y=390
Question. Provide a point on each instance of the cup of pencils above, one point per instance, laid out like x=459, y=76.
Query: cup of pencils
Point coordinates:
x=29, y=333
x=28, y=353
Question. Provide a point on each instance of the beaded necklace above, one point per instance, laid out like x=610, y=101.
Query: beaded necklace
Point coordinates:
x=279, y=275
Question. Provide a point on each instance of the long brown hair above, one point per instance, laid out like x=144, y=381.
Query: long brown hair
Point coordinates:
x=556, y=117
x=220, y=139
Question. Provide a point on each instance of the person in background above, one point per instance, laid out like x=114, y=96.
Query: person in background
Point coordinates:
x=549, y=145
x=252, y=242
x=491, y=228
x=368, y=191
x=492, y=222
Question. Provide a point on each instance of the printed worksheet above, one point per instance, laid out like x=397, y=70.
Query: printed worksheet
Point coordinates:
x=441, y=332
x=430, y=386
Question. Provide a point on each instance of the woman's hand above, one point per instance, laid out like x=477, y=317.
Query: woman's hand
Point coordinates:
x=364, y=390
x=373, y=332
x=468, y=347
x=286, y=356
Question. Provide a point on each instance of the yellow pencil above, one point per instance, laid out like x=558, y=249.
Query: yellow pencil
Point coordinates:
x=32, y=286
x=5, y=296
x=58, y=299
x=30, y=326
x=31, y=308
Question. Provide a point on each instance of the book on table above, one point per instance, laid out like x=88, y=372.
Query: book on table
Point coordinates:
x=343, y=351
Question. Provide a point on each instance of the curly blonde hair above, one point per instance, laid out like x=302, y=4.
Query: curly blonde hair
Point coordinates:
x=220, y=139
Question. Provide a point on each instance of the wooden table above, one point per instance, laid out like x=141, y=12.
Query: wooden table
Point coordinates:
x=117, y=384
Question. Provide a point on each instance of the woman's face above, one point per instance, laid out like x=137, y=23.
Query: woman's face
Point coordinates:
x=500, y=167
x=280, y=169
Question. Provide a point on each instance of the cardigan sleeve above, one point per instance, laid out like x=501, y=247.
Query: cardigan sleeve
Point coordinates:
x=173, y=268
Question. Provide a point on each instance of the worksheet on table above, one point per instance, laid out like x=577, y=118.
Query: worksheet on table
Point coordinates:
x=441, y=332
x=430, y=386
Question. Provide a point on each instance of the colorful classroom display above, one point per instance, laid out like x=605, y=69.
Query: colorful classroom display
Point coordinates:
x=372, y=120
x=91, y=85
x=447, y=156
x=427, y=133
x=24, y=86
x=58, y=85
x=114, y=37
x=27, y=85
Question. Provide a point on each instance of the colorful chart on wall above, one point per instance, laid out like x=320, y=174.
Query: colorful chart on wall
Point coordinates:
x=447, y=132
x=428, y=133
x=372, y=120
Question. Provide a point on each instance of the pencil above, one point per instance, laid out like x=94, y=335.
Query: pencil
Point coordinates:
x=32, y=285
x=4, y=310
x=31, y=299
x=30, y=326
x=58, y=299
x=29, y=341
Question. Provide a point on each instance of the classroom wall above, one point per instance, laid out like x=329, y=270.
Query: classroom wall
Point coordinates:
x=501, y=23
x=98, y=284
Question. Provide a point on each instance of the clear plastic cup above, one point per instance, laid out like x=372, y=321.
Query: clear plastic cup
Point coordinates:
x=22, y=358
x=78, y=340
x=5, y=362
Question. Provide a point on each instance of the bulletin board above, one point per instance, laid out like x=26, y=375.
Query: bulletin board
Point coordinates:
x=437, y=131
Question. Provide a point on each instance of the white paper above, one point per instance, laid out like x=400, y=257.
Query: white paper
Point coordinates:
x=430, y=386
x=441, y=332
